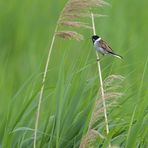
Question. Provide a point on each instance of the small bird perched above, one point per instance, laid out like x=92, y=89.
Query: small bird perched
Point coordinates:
x=102, y=47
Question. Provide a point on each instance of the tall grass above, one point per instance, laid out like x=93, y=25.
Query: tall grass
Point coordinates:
x=71, y=86
x=72, y=10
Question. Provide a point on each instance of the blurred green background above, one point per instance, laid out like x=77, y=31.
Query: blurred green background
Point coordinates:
x=26, y=29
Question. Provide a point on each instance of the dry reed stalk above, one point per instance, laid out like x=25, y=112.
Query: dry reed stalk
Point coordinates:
x=42, y=89
x=101, y=81
x=95, y=111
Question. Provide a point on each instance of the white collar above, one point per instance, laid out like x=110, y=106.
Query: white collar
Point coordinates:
x=98, y=39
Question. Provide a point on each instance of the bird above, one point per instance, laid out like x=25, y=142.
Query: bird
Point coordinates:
x=102, y=47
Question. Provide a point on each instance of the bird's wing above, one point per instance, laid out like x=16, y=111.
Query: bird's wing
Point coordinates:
x=105, y=46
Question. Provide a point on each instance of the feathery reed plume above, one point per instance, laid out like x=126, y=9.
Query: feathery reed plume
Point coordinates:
x=76, y=9
x=70, y=35
x=110, y=96
x=75, y=24
x=89, y=137
x=73, y=9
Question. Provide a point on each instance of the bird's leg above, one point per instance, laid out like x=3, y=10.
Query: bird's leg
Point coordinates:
x=99, y=59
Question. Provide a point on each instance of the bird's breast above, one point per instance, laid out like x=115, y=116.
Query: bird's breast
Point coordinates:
x=99, y=49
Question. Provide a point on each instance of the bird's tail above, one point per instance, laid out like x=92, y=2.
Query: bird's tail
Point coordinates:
x=116, y=55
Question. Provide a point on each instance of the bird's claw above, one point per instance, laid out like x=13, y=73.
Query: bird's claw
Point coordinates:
x=98, y=60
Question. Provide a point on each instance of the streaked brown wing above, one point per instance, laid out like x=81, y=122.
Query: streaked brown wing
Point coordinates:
x=104, y=45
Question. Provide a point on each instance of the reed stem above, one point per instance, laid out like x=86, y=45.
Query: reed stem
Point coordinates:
x=101, y=81
x=42, y=88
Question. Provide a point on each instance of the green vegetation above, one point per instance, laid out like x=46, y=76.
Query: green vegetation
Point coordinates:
x=72, y=82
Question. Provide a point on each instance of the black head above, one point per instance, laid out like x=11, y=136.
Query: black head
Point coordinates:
x=94, y=38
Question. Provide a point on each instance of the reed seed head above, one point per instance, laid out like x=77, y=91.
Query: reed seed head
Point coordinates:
x=70, y=35
x=110, y=96
x=73, y=10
